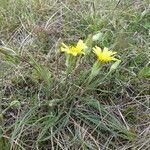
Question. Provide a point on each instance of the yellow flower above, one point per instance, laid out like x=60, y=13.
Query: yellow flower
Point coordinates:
x=104, y=55
x=74, y=50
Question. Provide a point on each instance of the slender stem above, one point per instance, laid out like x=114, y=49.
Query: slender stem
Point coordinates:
x=95, y=70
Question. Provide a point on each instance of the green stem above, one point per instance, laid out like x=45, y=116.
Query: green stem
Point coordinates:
x=95, y=70
x=70, y=64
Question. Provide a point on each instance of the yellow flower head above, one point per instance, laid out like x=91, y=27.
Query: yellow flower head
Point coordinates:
x=74, y=50
x=104, y=55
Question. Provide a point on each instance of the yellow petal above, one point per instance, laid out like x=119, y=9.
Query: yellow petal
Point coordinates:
x=97, y=50
x=81, y=45
x=113, y=58
x=105, y=49
x=64, y=48
x=113, y=52
x=64, y=45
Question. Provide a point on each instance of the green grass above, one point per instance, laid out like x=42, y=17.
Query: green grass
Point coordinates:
x=44, y=108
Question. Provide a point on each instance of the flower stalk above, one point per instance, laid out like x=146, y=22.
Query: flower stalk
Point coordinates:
x=94, y=71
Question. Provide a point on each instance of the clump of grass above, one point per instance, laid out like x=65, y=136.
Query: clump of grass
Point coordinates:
x=46, y=106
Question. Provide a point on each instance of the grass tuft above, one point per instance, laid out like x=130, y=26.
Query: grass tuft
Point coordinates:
x=43, y=105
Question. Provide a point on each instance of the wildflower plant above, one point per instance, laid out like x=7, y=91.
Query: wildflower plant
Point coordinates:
x=62, y=87
x=103, y=56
